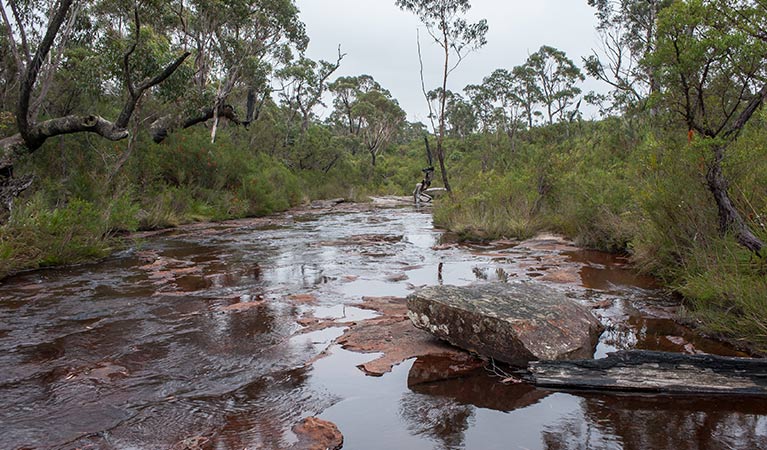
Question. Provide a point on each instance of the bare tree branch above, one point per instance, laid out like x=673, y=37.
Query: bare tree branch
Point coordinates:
x=22, y=32
x=138, y=91
x=52, y=65
x=162, y=127
x=20, y=64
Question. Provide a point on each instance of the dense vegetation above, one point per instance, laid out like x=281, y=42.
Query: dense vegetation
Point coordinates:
x=214, y=107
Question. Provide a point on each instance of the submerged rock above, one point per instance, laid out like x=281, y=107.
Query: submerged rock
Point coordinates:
x=513, y=323
x=317, y=434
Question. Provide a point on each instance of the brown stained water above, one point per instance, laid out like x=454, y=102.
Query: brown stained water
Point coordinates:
x=192, y=341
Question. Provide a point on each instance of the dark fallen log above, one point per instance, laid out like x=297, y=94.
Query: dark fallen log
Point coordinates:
x=658, y=372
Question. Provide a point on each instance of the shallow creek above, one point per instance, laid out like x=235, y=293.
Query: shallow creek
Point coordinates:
x=191, y=339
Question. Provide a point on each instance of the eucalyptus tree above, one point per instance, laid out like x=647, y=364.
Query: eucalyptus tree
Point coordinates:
x=481, y=101
x=237, y=45
x=380, y=118
x=40, y=51
x=557, y=78
x=303, y=82
x=346, y=91
x=444, y=22
x=710, y=60
x=460, y=118
x=628, y=30
x=527, y=91
x=367, y=113
x=504, y=95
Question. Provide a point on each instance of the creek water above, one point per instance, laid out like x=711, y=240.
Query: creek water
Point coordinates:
x=145, y=350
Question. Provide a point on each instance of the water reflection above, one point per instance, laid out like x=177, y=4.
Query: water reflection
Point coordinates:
x=438, y=419
x=632, y=422
x=456, y=412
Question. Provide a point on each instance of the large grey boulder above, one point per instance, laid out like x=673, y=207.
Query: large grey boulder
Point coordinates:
x=514, y=323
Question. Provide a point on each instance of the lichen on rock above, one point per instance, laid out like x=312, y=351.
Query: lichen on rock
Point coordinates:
x=514, y=323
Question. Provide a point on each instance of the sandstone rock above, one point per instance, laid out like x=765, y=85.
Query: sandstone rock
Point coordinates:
x=391, y=334
x=306, y=299
x=513, y=323
x=317, y=434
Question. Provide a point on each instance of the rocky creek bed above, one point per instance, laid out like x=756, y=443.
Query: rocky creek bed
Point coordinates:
x=290, y=331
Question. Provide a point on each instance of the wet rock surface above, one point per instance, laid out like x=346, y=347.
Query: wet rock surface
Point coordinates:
x=395, y=336
x=317, y=434
x=225, y=335
x=513, y=323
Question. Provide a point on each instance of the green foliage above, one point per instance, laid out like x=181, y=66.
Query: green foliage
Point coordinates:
x=557, y=78
x=496, y=206
x=7, y=124
x=725, y=287
x=711, y=62
x=38, y=235
x=635, y=187
x=628, y=30
x=193, y=179
x=442, y=18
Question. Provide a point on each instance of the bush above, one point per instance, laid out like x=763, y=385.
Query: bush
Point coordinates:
x=37, y=235
x=725, y=288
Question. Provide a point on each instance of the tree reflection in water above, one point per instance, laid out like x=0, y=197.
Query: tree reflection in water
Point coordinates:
x=440, y=419
x=661, y=422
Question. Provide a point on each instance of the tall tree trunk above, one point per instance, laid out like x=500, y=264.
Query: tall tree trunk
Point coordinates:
x=250, y=111
x=442, y=107
x=512, y=133
x=729, y=217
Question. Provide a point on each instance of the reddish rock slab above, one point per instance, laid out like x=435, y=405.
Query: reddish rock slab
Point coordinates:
x=397, y=277
x=548, y=243
x=305, y=299
x=393, y=335
x=387, y=306
x=310, y=324
x=514, y=323
x=193, y=443
x=398, y=340
x=317, y=434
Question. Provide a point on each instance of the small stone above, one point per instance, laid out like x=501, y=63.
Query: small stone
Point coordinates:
x=317, y=434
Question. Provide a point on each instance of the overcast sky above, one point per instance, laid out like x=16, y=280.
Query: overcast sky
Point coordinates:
x=380, y=40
